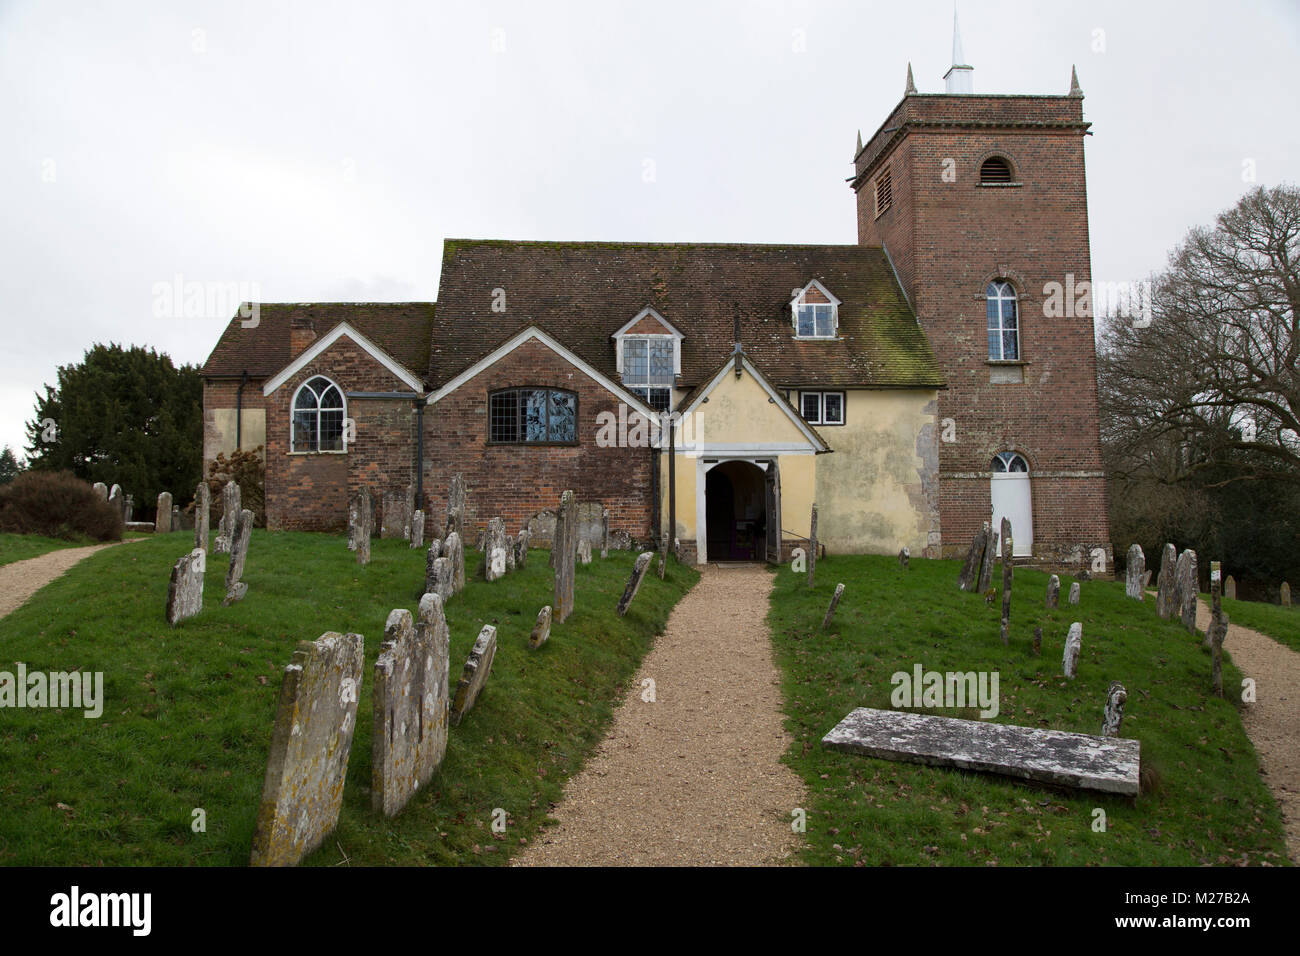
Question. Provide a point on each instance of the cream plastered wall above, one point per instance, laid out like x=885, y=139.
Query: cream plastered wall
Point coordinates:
x=219, y=431
x=878, y=492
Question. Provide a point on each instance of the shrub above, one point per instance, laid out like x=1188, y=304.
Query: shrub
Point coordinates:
x=57, y=504
x=247, y=470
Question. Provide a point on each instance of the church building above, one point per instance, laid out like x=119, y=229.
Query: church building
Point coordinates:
x=912, y=386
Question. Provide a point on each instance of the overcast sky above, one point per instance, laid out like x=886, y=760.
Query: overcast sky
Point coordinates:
x=322, y=151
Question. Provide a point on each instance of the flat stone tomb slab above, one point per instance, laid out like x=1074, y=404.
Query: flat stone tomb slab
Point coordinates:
x=1082, y=761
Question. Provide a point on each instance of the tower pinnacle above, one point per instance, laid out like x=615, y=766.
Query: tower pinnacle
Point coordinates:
x=959, y=77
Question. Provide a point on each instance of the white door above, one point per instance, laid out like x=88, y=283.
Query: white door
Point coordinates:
x=1009, y=490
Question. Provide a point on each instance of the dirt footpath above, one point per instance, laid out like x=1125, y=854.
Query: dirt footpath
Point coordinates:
x=694, y=778
x=1273, y=721
x=20, y=580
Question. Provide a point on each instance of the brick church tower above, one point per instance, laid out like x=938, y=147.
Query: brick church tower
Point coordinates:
x=980, y=202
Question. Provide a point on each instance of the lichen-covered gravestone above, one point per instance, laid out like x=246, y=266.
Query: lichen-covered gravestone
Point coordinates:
x=1133, y=571
x=1007, y=574
x=477, y=669
x=542, y=630
x=1053, y=591
x=454, y=551
x=1074, y=592
x=1188, y=587
x=456, y=506
x=970, y=571
x=439, y=580
x=987, y=560
x=411, y=705
x=432, y=555
x=494, y=550
x=835, y=602
x=1230, y=588
x=564, y=548
x=812, y=545
x=1167, y=581
x=1116, y=698
x=1073, y=644
x=604, y=532
x=417, y=530
x=185, y=590
x=521, y=547
x=584, y=551
x=308, y=761
x=162, y=522
x=235, y=587
x=634, y=581
x=230, y=508
x=202, y=514
x=365, y=526
x=1216, y=602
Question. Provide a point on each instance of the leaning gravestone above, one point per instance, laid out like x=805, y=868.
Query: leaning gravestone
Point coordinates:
x=604, y=532
x=812, y=546
x=1216, y=603
x=494, y=550
x=185, y=590
x=1116, y=698
x=454, y=552
x=542, y=630
x=411, y=705
x=835, y=602
x=564, y=547
x=456, y=506
x=987, y=560
x=634, y=581
x=1007, y=574
x=474, y=677
x=1167, y=581
x=1133, y=571
x=231, y=506
x=970, y=571
x=308, y=762
x=1073, y=644
x=1053, y=592
x=163, y=519
x=417, y=530
x=1074, y=592
x=202, y=514
x=1230, y=588
x=1187, y=587
x=101, y=490
x=584, y=551
x=235, y=587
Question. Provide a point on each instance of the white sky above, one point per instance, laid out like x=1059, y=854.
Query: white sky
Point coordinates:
x=321, y=151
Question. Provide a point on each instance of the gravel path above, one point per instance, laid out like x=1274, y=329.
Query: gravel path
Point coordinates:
x=695, y=778
x=1273, y=721
x=20, y=580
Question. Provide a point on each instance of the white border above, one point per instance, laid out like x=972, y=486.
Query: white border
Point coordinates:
x=321, y=344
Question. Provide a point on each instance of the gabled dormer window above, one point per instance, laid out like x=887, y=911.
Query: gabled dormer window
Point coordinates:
x=648, y=352
x=815, y=312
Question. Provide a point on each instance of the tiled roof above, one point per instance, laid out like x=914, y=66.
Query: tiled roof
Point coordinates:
x=583, y=292
x=402, y=329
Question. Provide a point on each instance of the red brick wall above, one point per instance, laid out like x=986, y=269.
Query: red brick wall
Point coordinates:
x=947, y=239
x=310, y=492
x=517, y=481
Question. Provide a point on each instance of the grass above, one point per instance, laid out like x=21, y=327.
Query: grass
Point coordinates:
x=189, y=710
x=1278, y=622
x=20, y=547
x=1203, y=801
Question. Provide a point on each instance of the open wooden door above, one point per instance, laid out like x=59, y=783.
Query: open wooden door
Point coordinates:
x=773, y=481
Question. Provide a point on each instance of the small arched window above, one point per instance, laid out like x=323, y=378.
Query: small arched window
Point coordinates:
x=1005, y=461
x=318, y=413
x=995, y=171
x=1004, y=326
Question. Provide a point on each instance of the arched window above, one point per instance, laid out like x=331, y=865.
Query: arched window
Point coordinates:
x=995, y=171
x=1009, y=461
x=318, y=413
x=1004, y=329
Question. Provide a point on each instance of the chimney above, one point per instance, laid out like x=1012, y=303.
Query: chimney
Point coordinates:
x=302, y=333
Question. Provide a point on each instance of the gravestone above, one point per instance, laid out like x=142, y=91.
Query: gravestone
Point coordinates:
x=542, y=629
x=904, y=556
x=663, y=554
x=456, y=506
x=835, y=602
x=970, y=571
x=235, y=587
x=634, y=581
x=1053, y=592
x=1187, y=588
x=354, y=520
x=202, y=514
x=310, y=743
x=474, y=677
x=185, y=590
x=395, y=520
x=564, y=547
x=1133, y=572
x=510, y=546
x=1073, y=645
x=116, y=499
x=604, y=532
x=433, y=553
x=365, y=525
x=584, y=551
x=1074, y=592
x=417, y=530
x=454, y=551
x=411, y=705
x=1216, y=602
x=521, y=547
x=494, y=550
x=128, y=509
x=1230, y=588
x=1167, y=582
x=661, y=564
x=987, y=559
x=231, y=506
x=1219, y=631
x=1038, y=641
x=812, y=546
x=100, y=489
x=1284, y=594
x=162, y=522
x=1007, y=574
x=1116, y=698
x=439, y=579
